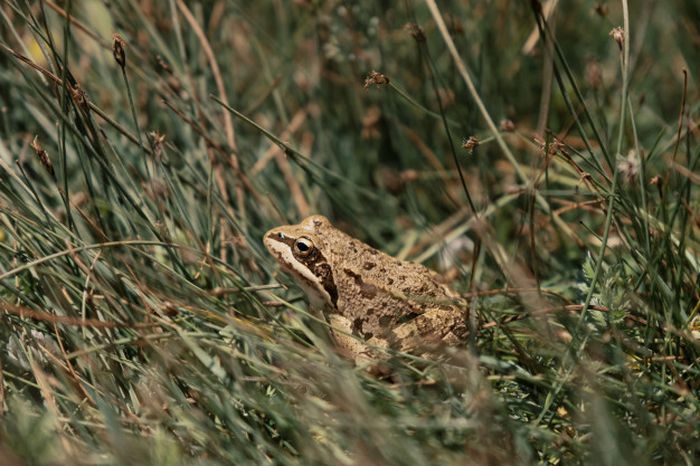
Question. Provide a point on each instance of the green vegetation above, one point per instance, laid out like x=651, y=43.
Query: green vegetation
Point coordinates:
x=144, y=323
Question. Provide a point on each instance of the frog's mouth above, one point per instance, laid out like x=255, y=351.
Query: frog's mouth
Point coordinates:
x=313, y=275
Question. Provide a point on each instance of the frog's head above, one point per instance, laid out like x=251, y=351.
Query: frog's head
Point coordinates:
x=301, y=251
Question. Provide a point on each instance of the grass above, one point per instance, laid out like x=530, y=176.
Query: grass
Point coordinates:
x=145, y=324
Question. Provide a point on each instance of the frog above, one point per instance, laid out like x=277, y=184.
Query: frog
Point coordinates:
x=370, y=299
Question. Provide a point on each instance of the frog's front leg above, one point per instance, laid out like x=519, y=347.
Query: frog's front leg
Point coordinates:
x=434, y=328
x=351, y=346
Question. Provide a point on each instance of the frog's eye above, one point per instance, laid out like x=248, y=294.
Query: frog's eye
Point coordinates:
x=303, y=246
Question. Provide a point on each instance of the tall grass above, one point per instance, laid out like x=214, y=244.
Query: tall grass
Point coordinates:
x=543, y=161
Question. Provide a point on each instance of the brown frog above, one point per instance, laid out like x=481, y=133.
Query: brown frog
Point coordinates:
x=369, y=298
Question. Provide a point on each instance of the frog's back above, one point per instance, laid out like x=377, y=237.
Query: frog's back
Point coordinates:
x=379, y=293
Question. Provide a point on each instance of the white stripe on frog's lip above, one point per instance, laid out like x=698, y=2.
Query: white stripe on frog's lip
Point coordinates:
x=310, y=283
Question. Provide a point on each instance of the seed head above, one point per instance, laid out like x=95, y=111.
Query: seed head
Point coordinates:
x=156, y=139
x=602, y=10
x=618, y=34
x=506, y=126
x=118, y=46
x=375, y=78
x=79, y=97
x=416, y=31
x=43, y=156
x=628, y=166
x=470, y=143
x=370, y=123
x=548, y=148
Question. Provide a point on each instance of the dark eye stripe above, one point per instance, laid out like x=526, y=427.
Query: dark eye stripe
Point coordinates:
x=282, y=238
x=315, y=262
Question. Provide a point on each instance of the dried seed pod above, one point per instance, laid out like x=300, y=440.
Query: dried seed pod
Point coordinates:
x=618, y=34
x=118, y=50
x=43, y=156
x=470, y=143
x=376, y=78
x=416, y=31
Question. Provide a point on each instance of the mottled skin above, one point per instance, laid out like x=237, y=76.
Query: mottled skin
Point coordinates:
x=384, y=301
